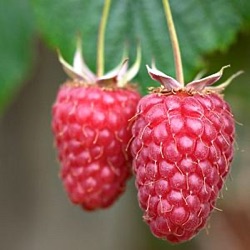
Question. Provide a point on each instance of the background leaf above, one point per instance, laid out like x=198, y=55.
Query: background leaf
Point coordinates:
x=17, y=28
x=202, y=27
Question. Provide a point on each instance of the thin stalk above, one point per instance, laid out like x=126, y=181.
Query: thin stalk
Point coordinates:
x=101, y=38
x=174, y=42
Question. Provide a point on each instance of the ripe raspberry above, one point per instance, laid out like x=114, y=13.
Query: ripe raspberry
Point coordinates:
x=182, y=149
x=90, y=121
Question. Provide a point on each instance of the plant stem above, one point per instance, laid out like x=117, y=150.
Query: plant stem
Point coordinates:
x=101, y=38
x=174, y=42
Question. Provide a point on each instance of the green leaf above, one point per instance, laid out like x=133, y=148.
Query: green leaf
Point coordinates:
x=16, y=29
x=202, y=27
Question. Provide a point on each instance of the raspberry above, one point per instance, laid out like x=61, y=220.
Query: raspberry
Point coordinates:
x=182, y=148
x=91, y=130
x=90, y=122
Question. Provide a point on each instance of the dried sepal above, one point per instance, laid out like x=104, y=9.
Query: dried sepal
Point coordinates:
x=120, y=75
x=79, y=64
x=223, y=85
x=70, y=71
x=168, y=82
x=132, y=72
x=200, y=84
x=115, y=74
x=118, y=71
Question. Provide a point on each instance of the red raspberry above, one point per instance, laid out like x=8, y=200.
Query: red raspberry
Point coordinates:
x=182, y=149
x=90, y=122
x=91, y=130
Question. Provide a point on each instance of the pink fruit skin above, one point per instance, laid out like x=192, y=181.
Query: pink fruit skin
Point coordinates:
x=182, y=149
x=90, y=126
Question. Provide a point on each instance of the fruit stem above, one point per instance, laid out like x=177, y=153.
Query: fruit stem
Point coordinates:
x=101, y=38
x=174, y=42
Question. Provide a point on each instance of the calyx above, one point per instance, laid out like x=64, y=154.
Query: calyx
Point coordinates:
x=201, y=85
x=121, y=74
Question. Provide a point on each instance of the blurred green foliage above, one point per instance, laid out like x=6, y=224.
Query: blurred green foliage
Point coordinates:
x=16, y=47
x=203, y=26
